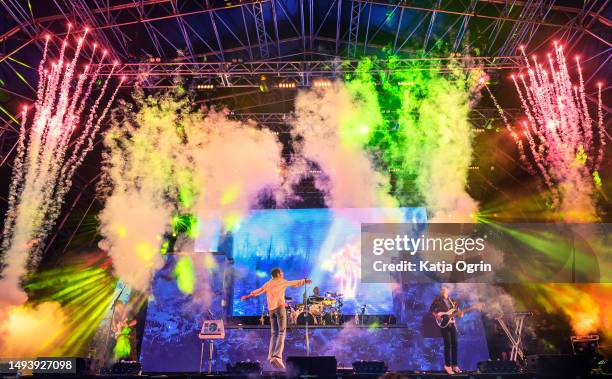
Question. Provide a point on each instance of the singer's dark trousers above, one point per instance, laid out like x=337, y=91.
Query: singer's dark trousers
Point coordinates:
x=449, y=334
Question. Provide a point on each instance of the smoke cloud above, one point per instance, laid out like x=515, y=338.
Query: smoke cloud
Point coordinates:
x=165, y=159
x=18, y=324
x=233, y=163
x=334, y=125
x=434, y=119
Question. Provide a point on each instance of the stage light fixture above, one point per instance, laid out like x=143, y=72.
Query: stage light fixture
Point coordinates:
x=585, y=344
x=403, y=83
x=321, y=83
x=205, y=86
x=287, y=85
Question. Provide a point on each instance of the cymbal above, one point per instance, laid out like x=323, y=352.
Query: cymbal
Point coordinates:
x=317, y=299
x=333, y=294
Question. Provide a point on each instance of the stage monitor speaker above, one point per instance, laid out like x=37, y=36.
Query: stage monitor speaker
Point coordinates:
x=498, y=367
x=126, y=368
x=324, y=366
x=245, y=368
x=370, y=367
x=558, y=364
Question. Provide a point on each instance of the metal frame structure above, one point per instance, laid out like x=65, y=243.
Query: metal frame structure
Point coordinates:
x=234, y=43
x=247, y=74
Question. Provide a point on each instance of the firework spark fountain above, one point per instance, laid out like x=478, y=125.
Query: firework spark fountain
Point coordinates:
x=566, y=145
x=48, y=155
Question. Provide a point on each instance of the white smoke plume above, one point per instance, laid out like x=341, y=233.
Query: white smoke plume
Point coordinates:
x=334, y=124
x=233, y=163
x=166, y=159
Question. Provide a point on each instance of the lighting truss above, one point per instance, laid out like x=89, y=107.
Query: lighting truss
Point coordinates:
x=303, y=72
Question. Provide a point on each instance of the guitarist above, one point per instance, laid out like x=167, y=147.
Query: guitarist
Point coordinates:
x=444, y=309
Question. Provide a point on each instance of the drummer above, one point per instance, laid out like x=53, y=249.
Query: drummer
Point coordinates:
x=315, y=292
x=315, y=298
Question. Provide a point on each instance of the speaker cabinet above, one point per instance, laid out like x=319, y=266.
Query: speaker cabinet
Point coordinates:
x=324, y=366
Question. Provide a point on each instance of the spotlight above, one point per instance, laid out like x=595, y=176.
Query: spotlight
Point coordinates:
x=263, y=84
x=321, y=83
x=205, y=86
x=288, y=85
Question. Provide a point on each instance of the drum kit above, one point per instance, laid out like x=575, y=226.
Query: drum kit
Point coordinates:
x=316, y=310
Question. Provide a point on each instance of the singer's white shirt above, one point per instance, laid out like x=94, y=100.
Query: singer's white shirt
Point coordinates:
x=275, y=291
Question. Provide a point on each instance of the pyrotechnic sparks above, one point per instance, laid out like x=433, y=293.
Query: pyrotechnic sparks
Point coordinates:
x=46, y=156
x=566, y=145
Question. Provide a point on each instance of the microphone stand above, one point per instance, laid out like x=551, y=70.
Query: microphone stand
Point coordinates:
x=306, y=310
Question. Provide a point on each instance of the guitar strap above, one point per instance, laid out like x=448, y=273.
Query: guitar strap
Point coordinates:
x=453, y=304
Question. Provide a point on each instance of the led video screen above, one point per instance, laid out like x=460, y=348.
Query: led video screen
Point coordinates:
x=320, y=244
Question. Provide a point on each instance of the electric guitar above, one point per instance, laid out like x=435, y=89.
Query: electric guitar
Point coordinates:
x=118, y=326
x=444, y=318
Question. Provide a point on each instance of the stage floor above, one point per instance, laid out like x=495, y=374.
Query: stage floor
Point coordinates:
x=346, y=375
x=402, y=348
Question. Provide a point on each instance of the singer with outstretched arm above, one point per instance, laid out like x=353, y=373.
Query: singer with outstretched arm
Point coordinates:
x=275, y=296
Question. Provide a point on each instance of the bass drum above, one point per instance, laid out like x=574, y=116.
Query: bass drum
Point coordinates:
x=305, y=317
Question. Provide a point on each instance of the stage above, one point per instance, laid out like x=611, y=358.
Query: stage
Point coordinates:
x=420, y=185
x=401, y=347
x=344, y=373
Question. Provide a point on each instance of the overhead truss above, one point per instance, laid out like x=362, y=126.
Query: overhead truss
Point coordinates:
x=301, y=72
